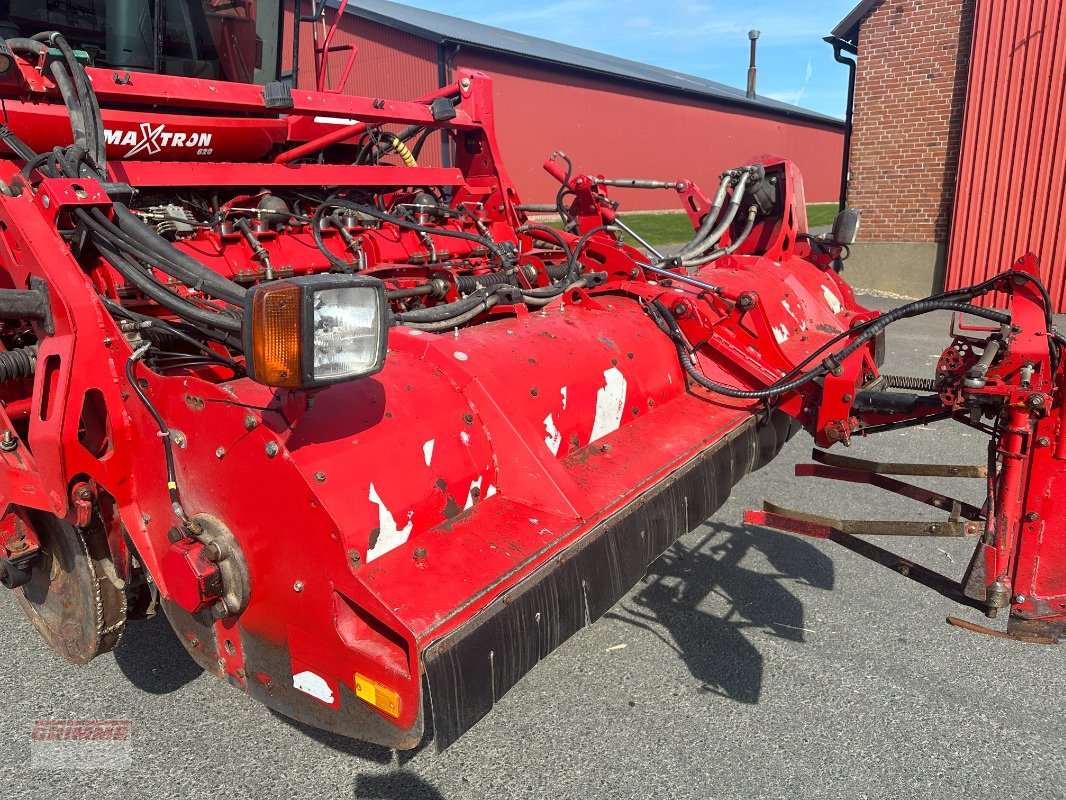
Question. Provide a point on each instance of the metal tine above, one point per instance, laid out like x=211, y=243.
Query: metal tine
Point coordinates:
x=891, y=468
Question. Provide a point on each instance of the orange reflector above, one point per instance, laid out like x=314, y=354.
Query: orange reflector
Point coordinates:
x=275, y=321
x=381, y=697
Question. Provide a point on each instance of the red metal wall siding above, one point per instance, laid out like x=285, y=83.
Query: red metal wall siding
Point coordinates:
x=390, y=63
x=1012, y=176
x=622, y=131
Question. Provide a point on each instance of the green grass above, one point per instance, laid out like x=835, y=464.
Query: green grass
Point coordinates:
x=821, y=214
x=675, y=228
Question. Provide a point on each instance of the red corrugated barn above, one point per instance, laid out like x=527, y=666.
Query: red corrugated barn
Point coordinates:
x=958, y=159
x=612, y=116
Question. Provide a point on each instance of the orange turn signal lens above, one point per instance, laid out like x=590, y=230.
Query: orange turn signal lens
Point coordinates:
x=275, y=320
x=379, y=696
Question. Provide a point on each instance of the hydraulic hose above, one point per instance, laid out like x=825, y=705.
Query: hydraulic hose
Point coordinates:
x=447, y=311
x=732, y=247
x=171, y=260
x=712, y=214
x=414, y=319
x=662, y=317
x=151, y=288
x=731, y=213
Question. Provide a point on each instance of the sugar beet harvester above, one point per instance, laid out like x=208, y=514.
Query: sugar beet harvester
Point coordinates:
x=370, y=437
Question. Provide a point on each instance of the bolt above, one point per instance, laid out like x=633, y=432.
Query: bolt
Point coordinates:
x=146, y=517
x=353, y=557
x=468, y=419
x=220, y=452
x=214, y=551
x=250, y=423
x=680, y=309
x=320, y=477
x=420, y=553
x=846, y=398
x=464, y=84
x=8, y=442
x=1020, y=598
x=1043, y=441
x=175, y=535
x=220, y=610
x=1036, y=400
x=1032, y=516
x=298, y=586
x=221, y=663
x=605, y=448
x=475, y=491
x=534, y=391
x=271, y=449
x=83, y=493
x=241, y=673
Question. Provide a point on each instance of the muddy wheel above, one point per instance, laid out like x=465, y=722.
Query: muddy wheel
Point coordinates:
x=77, y=609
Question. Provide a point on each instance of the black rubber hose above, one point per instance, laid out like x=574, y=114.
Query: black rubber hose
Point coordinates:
x=102, y=229
x=86, y=96
x=173, y=261
x=30, y=47
x=574, y=265
x=451, y=322
x=151, y=288
x=18, y=363
x=447, y=311
x=70, y=100
x=662, y=317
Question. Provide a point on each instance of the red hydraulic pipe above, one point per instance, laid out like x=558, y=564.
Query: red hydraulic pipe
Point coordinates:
x=313, y=146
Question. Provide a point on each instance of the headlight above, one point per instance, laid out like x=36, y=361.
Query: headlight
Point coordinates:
x=315, y=330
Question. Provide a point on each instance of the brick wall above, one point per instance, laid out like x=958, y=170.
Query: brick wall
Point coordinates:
x=910, y=90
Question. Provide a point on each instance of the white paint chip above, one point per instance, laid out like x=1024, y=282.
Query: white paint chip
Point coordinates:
x=476, y=483
x=464, y=437
x=492, y=490
x=390, y=534
x=832, y=299
x=314, y=685
x=610, y=404
x=781, y=334
x=460, y=355
x=554, y=439
x=335, y=120
x=563, y=393
x=427, y=451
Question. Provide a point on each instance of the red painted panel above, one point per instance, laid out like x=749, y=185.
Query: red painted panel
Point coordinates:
x=1012, y=171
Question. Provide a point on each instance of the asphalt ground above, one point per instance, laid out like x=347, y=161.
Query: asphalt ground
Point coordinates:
x=749, y=664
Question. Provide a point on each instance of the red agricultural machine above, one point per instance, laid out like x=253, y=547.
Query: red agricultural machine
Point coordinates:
x=373, y=440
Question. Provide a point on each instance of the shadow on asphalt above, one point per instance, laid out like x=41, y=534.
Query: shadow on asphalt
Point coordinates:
x=153, y=659
x=394, y=786
x=685, y=581
x=357, y=748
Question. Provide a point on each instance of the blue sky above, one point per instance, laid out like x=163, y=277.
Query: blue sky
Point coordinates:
x=708, y=38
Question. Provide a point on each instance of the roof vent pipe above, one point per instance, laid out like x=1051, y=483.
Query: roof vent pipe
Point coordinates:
x=753, y=35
